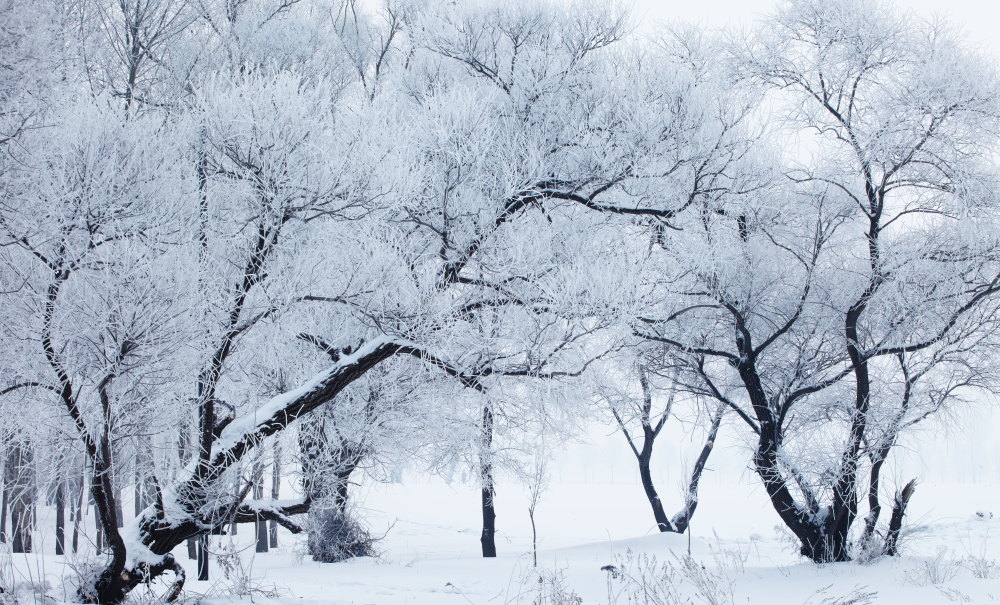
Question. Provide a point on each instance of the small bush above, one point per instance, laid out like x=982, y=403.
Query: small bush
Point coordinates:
x=552, y=590
x=934, y=571
x=335, y=535
x=644, y=580
x=239, y=580
x=981, y=567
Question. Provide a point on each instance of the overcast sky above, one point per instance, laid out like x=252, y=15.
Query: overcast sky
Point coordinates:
x=980, y=19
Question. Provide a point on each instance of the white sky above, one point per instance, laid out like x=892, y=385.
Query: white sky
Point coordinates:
x=978, y=19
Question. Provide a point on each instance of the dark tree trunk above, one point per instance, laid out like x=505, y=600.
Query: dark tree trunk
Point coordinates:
x=234, y=526
x=682, y=520
x=488, y=537
x=805, y=523
x=60, y=518
x=20, y=527
x=874, y=506
x=662, y=523
x=203, y=558
x=80, y=493
x=896, y=521
x=184, y=454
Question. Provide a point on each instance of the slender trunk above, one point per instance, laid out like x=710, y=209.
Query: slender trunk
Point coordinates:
x=22, y=499
x=81, y=490
x=183, y=453
x=275, y=493
x=662, y=523
x=896, y=521
x=874, y=506
x=19, y=527
x=488, y=538
x=5, y=503
x=234, y=526
x=534, y=536
x=682, y=520
x=258, y=493
x=203, y=558
x=844, y=507
x=60, y=518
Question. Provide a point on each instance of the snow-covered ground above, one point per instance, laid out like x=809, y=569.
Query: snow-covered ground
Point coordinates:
x=594, y=514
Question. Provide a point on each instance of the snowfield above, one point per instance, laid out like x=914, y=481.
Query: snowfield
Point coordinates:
x=430, y=554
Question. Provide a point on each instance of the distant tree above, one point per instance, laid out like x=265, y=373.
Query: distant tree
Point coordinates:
x=642, y=415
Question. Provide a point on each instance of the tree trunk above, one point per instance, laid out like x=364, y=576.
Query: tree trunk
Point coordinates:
x=203, y=558
x=682, y=520
x=258, y=494
x=184, y=454
x=20, y=527
x=275, y=493
x=77, y=504
x=874, y=506
x=22, y=498
x=489, y=522
x=60, y=518
x=5, y=501
x=488, y=538
x=896, y=521
x=662, y=523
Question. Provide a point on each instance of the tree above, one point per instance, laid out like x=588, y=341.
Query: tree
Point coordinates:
x=640, y=414
x=806, y=308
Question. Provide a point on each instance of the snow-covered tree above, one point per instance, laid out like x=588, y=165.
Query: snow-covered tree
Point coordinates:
x=809, y=305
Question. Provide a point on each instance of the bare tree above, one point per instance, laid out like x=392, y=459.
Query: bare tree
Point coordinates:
x=641, y=419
